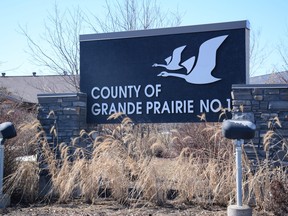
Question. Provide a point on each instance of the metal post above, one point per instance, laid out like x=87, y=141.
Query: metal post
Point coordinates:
x=7, y=131
x=1, y=166
x=239, y=170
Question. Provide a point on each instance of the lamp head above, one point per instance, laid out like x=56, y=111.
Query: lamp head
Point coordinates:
x=238, y=129
x=7, y=131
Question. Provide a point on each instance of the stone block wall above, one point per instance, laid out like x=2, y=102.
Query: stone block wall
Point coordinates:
x=66, y=113
x=262, y=104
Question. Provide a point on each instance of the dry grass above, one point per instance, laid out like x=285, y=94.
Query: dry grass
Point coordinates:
x=197, y=164
x=21, y=178
x=23, y=182
x=21, y=145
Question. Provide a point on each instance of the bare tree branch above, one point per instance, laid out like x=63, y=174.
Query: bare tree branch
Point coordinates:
x=61, y=37
x=283, y=52
x=258, y=55
x=133, y=15
x=59, y=47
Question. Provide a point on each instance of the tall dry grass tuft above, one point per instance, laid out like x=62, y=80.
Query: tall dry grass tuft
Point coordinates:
x=21, y=145
x=204, y=171
x=77, y=172
x=267, y=185
x=122, y=162
x=20, y=169
x=23, y=182
x=151, y=184
x=268, y=189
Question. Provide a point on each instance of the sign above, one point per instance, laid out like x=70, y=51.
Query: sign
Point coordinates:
x=164, y=75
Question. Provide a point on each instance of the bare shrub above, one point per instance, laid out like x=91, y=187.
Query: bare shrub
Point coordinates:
x=279, y=198
x=199, y=136
x=119, y=164
x=204, y=180
x=23, y=182
x=21, y=177
x=267, y=188
x=267, y=183
x=86, y=174
x=21, y=145
x=151, y=185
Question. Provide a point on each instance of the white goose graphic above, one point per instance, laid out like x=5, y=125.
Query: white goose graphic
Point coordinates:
x=206, y=62
x=172, y=61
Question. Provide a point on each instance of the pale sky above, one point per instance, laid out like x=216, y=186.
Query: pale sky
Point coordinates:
x=268, y=17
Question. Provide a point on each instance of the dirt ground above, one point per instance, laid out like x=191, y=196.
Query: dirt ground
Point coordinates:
x=113, y=208
x=103, y=210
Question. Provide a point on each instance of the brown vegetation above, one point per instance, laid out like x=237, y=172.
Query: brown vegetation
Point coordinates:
x=175, y=164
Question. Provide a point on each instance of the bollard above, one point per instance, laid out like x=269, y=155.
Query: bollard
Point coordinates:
x=238, y=130
x=1, y=166
x=238, y=150
x=7, y=131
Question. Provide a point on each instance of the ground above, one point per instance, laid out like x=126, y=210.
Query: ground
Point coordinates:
x=108, y=207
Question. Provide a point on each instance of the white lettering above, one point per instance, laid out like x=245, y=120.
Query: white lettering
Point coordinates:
x=95, y=109
x=158, y=89
x=218, y=105
x=104, y=109
x=122, y=107
x=228, y=104
x=108, y=109
x=149, y=91
x=215, y=106
x=165, y=107
x=112, y=109
x=178, y=106
x=139, y=108
x=205, y=106
x=122, y=92
x=156, y=107
x=130, y=108
x=149, y=106
x=137, y=90
x=94, y=96
x=114, y=92
x=103, y=92
x=190, y=106
x=118, y=92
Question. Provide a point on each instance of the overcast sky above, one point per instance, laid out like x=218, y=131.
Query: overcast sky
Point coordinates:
x=268, y=17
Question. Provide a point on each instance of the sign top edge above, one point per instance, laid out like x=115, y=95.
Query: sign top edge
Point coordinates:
x=167, y=31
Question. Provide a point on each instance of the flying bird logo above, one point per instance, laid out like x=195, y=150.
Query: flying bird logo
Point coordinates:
x=199, y=73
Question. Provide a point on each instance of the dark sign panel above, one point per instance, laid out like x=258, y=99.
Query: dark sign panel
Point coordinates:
x=164, y=75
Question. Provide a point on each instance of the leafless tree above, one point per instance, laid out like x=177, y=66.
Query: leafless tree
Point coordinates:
x=59, y=47
x=283, y=51
x=133, y=15
x=279, y=72
x=258, y=54
x=3, y=71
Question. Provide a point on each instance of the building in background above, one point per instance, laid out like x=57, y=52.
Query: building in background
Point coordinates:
x=273, y=78
x=24, y=89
